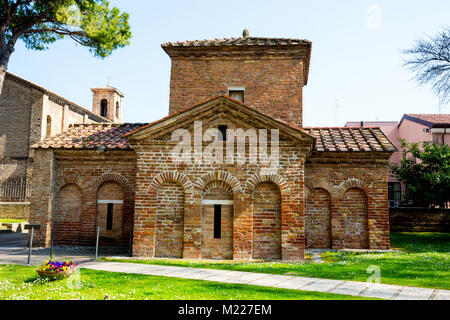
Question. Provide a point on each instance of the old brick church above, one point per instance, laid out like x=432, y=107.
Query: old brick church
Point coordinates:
x=328, y=191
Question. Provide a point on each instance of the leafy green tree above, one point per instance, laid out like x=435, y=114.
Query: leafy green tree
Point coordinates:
x=425, y=170
x=38, y=23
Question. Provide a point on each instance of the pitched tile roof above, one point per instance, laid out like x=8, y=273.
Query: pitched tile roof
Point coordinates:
x=113, y=137
x=432, y=120
x=347, y=139
x=241, y=41
x=110, y=136
x=91, y=136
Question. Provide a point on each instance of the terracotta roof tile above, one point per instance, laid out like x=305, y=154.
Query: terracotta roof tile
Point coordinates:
x=434, y=120
x=350, y=139
x=111, y=136
x=91, y=136
x=241, y=41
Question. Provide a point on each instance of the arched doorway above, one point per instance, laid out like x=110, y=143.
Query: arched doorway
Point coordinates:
x=169, y=220
x=217, y=223
x=67, y=216
x=110, y=214
x=318, y=219
x=267, y=221
x=356, y=235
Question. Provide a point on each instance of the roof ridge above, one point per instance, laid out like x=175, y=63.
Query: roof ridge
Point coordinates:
x=282, y=122
x=226, y=41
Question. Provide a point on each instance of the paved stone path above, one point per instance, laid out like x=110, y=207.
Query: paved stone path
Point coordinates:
x=353, y=288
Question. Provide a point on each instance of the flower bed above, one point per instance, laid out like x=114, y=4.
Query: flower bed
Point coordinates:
x=56, y=270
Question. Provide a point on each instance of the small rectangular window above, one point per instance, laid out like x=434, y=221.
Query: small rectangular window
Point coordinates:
x=223, y=133
x=395, y=191
x=109, y=216
x=237, y=95
x=217, y=221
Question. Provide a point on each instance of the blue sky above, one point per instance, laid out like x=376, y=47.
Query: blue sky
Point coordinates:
x=356, y=55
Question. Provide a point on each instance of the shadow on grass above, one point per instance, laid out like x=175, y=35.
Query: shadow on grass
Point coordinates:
x=421, y=242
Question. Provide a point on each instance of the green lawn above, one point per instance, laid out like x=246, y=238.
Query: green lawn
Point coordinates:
x=6, y=220
x=423, y=262
x=22, y=283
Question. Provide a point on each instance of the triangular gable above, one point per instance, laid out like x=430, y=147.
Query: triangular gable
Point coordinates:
x=212, y=109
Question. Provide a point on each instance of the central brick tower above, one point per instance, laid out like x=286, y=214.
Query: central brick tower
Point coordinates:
x=265, y=73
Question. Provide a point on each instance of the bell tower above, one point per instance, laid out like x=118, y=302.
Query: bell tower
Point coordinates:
x=107, y=102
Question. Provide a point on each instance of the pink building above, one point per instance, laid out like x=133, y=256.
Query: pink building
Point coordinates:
x=412, y=128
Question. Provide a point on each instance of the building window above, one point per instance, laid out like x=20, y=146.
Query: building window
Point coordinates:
x=236, y=94
x=109, y=216
x=48, y=129
x=217, y=221
x=103, y=108
x=222, y=133
x=394, y=193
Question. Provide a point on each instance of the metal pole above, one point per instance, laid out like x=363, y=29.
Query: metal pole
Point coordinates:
x=96, y=244
x=31, y=245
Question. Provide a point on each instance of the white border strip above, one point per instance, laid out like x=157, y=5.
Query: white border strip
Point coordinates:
x=222, y=202
x=13, y=203
x=236, y=88
x=110, y=201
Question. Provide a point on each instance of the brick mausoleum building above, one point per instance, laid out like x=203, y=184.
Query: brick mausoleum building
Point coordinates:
x=328, y=191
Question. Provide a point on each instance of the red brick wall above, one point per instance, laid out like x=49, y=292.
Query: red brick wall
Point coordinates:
x=169, y=221
x=88, y=170
x=355, y=219
x=337, y=173
x=155, y=167
x=318, y=219
x=67, y=216
x=272, y=85
x=267, y=221
x=340, y=175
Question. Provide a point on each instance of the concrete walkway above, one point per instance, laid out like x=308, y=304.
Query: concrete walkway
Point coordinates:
x=353, y=288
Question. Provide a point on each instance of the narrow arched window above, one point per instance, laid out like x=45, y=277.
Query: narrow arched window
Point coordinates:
x=117, y=110
x=48, y=129
x=103, y=108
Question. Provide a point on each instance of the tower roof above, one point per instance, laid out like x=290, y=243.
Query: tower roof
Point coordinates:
x=241, y=41
x=246, y=44
x=109, y=89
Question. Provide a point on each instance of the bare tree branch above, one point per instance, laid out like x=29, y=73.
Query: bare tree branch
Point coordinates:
x=430, y=60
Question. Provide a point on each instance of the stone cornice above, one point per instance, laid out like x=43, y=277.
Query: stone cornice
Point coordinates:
x=343, y=158
x=94, y=155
